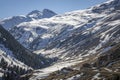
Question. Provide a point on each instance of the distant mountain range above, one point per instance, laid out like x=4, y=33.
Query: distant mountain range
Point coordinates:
x=36, y=14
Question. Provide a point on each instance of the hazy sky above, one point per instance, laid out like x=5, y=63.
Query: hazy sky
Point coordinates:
x=22, y=7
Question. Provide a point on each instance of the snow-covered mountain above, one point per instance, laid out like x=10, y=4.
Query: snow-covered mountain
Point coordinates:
x=80, y=36
x=95, y=43
x=46, y=13
x=10, y=22
x=70, y=33
x=44, y=30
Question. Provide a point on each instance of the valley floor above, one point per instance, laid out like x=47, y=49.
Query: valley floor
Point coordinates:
x=42, y=73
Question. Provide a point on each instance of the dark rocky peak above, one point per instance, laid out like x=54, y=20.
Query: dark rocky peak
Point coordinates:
x=48, y=13
x=47, y=10
x=117, y=4
x=34, y=12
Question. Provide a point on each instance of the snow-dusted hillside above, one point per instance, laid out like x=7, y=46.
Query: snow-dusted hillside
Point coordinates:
x=38, y=33
x=8, y=56
x=16, y=52
x=10, y=22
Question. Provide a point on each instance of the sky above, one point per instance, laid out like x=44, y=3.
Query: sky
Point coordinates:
x=22, y=7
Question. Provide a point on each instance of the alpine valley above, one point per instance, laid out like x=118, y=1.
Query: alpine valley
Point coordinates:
x=77, y=45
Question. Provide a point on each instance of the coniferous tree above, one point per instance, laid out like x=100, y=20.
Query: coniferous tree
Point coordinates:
x=3, y=64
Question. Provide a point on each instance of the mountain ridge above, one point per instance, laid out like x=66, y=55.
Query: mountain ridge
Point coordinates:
x=7, y=23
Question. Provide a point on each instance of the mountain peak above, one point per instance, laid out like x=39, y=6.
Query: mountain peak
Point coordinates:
x=36, y=14
x=33, y=12
x=48, y=13
x=47, y=10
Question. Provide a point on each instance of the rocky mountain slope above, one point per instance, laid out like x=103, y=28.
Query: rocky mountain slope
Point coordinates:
x=104, y=66
x=16, y=52
x=93, y=36
x=104, y=59
x=38, y=34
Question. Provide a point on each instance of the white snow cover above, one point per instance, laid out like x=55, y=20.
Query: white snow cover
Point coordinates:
x=42, y=73
x=38, y=34
x=96, y=76
x=75, y=77
x=65, y=24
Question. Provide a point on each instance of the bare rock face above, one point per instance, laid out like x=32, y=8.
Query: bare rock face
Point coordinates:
x=117, y=5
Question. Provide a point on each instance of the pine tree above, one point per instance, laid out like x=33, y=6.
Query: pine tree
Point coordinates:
x=3, y=64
